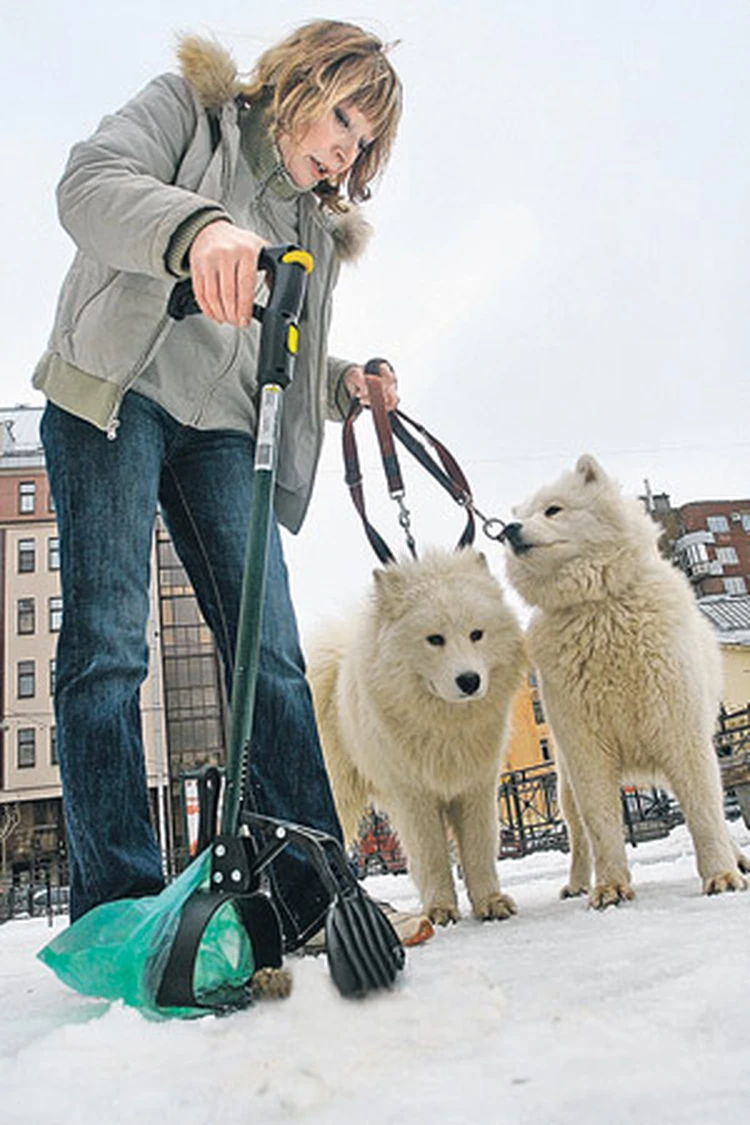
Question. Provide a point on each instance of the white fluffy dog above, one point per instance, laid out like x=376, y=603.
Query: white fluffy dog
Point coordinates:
x=413, y=700
x=630, y=676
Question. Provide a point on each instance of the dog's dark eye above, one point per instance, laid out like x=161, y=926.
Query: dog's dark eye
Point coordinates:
x=552, y=510
x=436, y=639
x=476, y=635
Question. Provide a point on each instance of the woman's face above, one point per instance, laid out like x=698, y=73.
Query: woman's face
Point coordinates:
x=328, y=148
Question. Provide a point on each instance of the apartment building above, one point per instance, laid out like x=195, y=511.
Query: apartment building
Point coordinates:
x=31, y=819
x=729, y=616
x=709, y=540
x=531, y=742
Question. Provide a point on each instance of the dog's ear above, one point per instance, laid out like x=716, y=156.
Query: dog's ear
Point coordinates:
x=390, y=589
x=589, y=468
x=478, y=556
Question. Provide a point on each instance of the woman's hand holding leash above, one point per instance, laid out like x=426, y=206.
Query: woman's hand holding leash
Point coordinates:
x=356, y=384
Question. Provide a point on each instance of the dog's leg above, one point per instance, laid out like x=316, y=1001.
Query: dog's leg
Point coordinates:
x=581, y=862
x=596, y=787
x=351, y=794
x=419, y=822
x=473, y=817
x=699, y=791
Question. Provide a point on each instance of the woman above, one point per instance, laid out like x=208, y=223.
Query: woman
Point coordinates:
x=195, y=175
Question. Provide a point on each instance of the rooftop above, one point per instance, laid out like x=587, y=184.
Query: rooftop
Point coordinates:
x=20, y=444
x=730, y=616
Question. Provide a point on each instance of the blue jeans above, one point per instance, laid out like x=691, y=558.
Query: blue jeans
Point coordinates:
x=106, y=495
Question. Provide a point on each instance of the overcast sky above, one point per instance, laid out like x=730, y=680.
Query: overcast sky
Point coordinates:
x=561, y=260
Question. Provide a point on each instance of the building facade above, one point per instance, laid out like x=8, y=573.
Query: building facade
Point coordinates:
x=709, y=540
x=730, y=617
x=531, y=743
x=32, y=831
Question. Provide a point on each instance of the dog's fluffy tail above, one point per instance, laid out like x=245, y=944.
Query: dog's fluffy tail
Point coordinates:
x=350, y=791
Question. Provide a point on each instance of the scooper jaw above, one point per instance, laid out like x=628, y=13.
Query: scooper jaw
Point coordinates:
x=364, y=951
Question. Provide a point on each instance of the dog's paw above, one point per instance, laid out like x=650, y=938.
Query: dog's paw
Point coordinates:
x=496, y=906
x=442, y=915
x=724, y=881
x=610, y=894
x=572, y=890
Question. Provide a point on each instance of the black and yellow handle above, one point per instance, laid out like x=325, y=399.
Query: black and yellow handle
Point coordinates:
x=287, y=269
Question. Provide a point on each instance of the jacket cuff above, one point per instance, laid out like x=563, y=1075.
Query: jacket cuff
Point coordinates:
x=176, y=256
x=339, y=399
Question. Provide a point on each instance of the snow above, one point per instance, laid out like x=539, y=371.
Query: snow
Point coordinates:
x=559, y=1015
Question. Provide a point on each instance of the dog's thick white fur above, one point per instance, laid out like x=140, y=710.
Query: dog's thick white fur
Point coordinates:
x=630, y=676
x=413, y=699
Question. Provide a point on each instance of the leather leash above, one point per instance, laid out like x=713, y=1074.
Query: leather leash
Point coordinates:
x=387, y=426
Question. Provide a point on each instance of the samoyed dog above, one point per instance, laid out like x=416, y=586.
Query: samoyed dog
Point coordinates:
x=413, y=699
x=630, y=676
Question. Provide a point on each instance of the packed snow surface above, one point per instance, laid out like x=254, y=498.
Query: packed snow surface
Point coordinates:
x=559, y=1015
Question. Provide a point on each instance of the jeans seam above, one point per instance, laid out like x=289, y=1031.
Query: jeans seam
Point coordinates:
x=221, y=613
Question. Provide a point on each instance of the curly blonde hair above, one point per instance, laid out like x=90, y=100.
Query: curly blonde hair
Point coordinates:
x=314, y=69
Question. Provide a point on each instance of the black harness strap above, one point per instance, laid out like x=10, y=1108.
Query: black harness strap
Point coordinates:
x=452, y=480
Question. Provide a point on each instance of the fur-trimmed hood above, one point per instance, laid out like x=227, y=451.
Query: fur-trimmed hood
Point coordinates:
x=210, y=69
x=212, y=73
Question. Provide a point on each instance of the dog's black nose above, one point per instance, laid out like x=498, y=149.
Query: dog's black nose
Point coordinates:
x=512, y=535
x=469, y=682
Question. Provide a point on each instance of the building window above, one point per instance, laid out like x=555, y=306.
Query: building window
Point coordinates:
x=53, y=553
x=735, y=586
x=26, y=497
x=55, y=614
x=544, y=747
x=26, y=679
x=26, y=619
x=695, y=554
x=26, y=748
x=26, y=556
x=53, y=758
x=727, y=556
x=717, y=524
x=745, y=517
x=538, y=711
x=52, y=676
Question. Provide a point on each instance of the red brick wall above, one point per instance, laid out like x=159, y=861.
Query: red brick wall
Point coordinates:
x=694, y=517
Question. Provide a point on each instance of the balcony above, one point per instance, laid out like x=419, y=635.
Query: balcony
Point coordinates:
x=704, y=569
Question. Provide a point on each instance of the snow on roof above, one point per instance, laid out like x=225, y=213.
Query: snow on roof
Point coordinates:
x=730, y=616
x=20, y=444
x=19, y=429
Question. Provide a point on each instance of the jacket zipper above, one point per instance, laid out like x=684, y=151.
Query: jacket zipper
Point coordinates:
x=162, y=326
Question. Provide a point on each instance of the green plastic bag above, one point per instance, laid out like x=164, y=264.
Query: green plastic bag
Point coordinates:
x=118, y=951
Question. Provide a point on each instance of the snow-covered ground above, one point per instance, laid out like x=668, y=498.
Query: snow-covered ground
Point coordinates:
x=559, y=1015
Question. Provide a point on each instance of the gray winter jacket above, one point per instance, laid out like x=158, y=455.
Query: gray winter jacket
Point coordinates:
x=128, y=193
